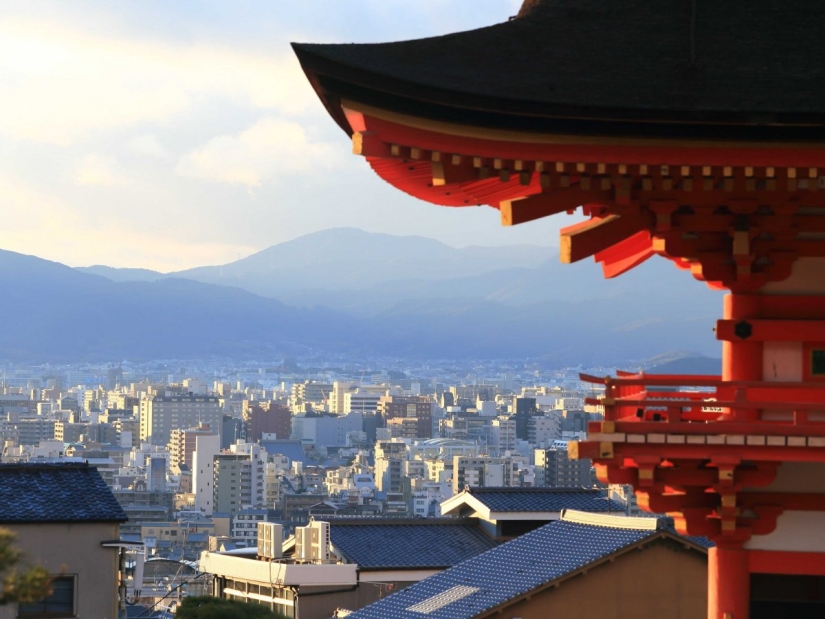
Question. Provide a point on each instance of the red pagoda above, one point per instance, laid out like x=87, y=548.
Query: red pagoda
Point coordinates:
x=685, y=129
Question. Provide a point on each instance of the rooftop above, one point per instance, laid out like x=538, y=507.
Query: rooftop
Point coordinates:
x=527, y=563
x=496, y=499
x=755, y=67
x=407, y=543
x=64, y=492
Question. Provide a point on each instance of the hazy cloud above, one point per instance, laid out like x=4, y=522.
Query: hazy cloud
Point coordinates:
x=270, y=148
x=99, y=170
x=60, y=84
x=167, y=135
x=147, y=145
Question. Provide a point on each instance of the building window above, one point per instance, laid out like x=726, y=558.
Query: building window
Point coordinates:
x=59, y=604
x=818, y=361
x=813, y=361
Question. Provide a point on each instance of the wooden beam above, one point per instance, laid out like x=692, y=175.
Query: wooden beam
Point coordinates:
x=626, y=255
x=367, y=144
x=597, y=234
x=530, y=208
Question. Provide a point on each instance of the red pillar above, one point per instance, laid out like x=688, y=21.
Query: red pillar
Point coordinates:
x=728, y=583
x=741, y=360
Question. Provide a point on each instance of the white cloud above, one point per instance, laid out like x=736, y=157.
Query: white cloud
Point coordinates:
x=271, y=147
x=60, y=84
x=99, y=170
x=147, y=145
x=57, y=228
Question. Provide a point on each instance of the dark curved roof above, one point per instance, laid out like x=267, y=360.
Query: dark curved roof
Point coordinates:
x=602, y=68
x=408, y=544
x=525, y=564
x=60, y=492
x=545, y=499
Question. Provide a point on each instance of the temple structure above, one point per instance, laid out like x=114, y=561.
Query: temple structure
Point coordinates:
x=690, y=130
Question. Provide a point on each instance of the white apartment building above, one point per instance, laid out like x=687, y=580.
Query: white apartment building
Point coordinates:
x=503, y=434
x=207, y=446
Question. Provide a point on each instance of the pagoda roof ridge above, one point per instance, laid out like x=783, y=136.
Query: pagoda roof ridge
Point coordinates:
x=588, y=66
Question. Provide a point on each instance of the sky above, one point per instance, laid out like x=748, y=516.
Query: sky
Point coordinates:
x=168, y=134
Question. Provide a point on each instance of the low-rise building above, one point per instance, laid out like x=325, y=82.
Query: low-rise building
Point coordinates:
x=62, y=514
x=583, y=566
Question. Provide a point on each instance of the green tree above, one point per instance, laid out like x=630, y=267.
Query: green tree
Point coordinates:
x=208, y=607
x=28, y=585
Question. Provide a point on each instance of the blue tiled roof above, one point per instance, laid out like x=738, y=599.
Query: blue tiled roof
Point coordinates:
x=546, y=499
x=56, y=493
x=503, y=573
x=291, y=449
x=408, y=544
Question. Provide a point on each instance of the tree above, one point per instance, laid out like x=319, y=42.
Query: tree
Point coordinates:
x=29, y=585
x=208, y=607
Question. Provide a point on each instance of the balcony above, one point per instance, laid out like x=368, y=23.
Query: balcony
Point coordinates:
x=707, y=450
x=765, y=420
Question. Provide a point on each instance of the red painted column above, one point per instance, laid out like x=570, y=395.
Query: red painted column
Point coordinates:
x=741, y=360
x=728, y=582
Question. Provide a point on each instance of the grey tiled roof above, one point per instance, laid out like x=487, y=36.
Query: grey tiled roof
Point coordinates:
x=57, y=492
x=546, y=499
x=291, y=449
x=512, y=569
x=408, y=544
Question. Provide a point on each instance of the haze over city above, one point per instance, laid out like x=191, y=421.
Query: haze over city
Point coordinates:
x=384, y=310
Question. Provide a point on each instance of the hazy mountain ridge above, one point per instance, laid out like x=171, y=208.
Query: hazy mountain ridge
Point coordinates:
x=564, y=313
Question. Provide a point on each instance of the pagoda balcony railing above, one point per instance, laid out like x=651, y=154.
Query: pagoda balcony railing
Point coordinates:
x=679, y=409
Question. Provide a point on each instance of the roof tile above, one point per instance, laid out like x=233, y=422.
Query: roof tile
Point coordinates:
x=61, y=492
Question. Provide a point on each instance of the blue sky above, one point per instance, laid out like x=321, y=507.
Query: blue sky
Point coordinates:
x=170, y=134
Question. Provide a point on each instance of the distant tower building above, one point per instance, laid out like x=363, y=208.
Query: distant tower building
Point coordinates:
x=207, y=446
x=114, y=377
x=555, y=469
x=418, y=407
x=160, y=414
x=182, y=444
x=267, y=417
x=240, y=480
x=156, y=474
x=337, y=396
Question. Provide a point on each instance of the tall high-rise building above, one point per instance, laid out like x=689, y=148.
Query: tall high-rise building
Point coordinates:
x=160, y=414
x=207, y=446
x=481, y=471
x=555, y=469
x=418, y=407
x=337, y=402
x=267, y=417
x=182, y=444
x=240, y=479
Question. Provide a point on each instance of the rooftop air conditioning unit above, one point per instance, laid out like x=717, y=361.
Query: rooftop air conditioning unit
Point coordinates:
x=319, y=539
x=303, y=543
x=270, y=540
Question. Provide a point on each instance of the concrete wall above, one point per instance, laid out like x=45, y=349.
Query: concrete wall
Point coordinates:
x=663, y=580
x=74, y=549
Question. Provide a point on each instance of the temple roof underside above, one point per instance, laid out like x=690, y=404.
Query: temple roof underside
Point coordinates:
x=674, y=137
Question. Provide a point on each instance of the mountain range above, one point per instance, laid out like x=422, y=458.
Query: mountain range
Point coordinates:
x=348, y=290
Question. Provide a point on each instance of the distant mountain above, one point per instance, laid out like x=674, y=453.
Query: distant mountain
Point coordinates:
x=548, y=282
x=53, y=312
x=348, y=290
x=348, y=258
x=123, y=275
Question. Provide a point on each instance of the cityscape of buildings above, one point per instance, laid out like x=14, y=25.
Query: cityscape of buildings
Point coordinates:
x=369, y=482
x=199, y=458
